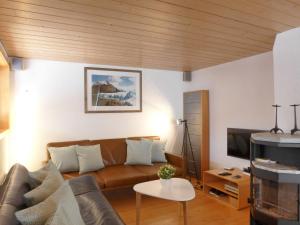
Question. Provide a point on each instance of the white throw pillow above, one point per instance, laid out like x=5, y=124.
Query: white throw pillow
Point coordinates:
x=157, y=150
x=89, y=157
x=64, y=158
x=138, y=153
x=50, y=184
x=40, y=213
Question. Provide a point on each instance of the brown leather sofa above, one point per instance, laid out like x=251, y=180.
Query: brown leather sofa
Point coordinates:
x=116, y=174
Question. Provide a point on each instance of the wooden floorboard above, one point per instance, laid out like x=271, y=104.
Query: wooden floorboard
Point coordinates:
x=203, y=210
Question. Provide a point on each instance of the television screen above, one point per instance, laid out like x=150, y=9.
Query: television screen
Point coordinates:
x=238, y=142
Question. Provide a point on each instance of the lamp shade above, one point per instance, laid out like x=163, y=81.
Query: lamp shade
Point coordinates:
x=180, y=121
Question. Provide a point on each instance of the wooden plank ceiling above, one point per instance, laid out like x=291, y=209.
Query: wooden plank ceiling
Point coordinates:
x=164, y=34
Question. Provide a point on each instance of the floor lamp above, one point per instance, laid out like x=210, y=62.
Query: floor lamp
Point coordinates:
x=186, y=146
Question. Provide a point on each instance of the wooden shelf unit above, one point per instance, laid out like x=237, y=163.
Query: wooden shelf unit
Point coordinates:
x=196, y=112
x=239, y=200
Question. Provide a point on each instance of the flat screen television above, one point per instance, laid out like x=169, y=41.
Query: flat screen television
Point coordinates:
x=238, y=142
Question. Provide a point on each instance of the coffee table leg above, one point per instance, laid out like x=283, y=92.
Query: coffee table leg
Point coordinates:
x=138, y=208
x=185, y=217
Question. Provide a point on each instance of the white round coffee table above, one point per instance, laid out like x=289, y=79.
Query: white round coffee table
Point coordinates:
x=177, y=189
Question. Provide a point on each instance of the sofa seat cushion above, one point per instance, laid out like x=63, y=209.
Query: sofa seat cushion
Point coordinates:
x=151, y=171
x=71, y=175
x=15, y=185
x=94, y=208
x=121, y=175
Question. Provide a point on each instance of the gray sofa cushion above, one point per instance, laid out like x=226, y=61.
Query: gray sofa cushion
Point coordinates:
x=50, y=184
x=7, y=215
x=64, y=158
x=138, y=152
x=15, y=185
x=38, y=176
x=83, y=184
x=40, y=213
x=94, y=208
x=89, y=157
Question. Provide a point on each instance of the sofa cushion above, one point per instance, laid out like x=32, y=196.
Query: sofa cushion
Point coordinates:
x=89, y=157
x=151, y=171
x=84, y=184
x=67, y=212
x=71, y=175
x=40, y=213
x=65, y=144
x=157, y=150
x=138, y=152
x=64, y=158
x=121, y=175
x=94, y=207
x=113, y=151
x=15, y=185
x=59, y=217
x=37, y=177
x=7, y=215
x=50, y=184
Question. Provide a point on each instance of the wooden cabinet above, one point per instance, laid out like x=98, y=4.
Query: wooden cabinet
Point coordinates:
x=4, y=91
x=234, y=191
x=196, y=112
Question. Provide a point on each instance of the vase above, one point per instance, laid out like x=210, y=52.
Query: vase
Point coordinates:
x=165, y=182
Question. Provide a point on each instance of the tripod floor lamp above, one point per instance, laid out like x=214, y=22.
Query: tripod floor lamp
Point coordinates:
x=187, y=150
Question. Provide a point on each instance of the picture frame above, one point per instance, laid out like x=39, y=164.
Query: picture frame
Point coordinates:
x=109, y=90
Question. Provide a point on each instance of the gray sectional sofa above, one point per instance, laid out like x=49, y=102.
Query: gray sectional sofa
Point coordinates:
x=94, y=208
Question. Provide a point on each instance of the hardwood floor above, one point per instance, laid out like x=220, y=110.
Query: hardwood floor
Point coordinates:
x=203, y=210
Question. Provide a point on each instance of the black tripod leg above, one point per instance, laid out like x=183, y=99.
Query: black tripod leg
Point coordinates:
x=193, y=157
x=186, y=149
x=184, y=152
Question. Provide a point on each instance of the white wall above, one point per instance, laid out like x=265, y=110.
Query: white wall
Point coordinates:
x=287, y=76
x=241, y=95
x=2, y=157
x=49, y=106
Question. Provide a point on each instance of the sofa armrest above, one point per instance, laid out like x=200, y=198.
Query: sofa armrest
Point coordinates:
x=174, y=159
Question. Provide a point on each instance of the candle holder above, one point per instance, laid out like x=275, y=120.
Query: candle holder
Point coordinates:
x=276, y=128
x=293, y=131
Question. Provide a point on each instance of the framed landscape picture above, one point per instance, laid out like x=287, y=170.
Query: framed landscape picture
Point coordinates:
x=112, y=90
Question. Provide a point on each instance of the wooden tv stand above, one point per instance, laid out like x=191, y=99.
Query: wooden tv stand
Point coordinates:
x=238, y=200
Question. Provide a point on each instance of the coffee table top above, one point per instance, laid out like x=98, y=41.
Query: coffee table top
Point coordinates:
x=177, y=189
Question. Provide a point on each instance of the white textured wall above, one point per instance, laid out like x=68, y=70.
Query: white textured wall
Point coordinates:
x=241, y=95
x=49, y=106
x=2, y=157
x=287, y=76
